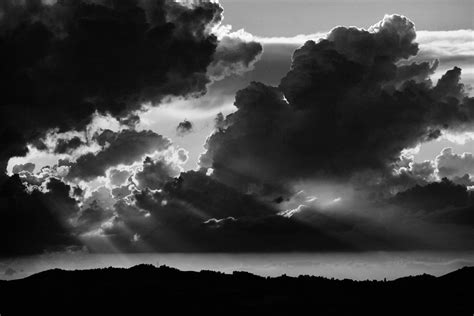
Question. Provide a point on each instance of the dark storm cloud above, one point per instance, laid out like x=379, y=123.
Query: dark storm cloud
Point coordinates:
x=67, y=145
x=65, y=61
x=418, y=72
x=349, y=104
x=345, y=106
x=445, y=202
x=37, y=221
x=156, y=173
x=185, y=127
x=433, y=196
x=393, y=38
x=461, y=216
x=125, y=147
x=210, y=198
x=91, y=218
x=196, y=213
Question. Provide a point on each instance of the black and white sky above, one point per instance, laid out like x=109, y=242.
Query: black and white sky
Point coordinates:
x=236, y=126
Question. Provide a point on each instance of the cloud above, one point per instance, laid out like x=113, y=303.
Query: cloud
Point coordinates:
x=101, y=198
x=342, y=115
x=156, y=173
x=28, y=167
x=346, y=106
x=124, y=147
x=234, y=56
x=450, y=48
x=118, y=177
x=184, y=127
x=196, y=213
x=182, y=155
x=37, y=221
x=211, y=198
x=445, y=202
x=68, y=145
x=433, y=196
x=432, y=44
x=61, y=61
x=453, y=165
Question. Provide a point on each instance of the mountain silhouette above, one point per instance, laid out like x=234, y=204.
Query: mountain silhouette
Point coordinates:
x=150, y=290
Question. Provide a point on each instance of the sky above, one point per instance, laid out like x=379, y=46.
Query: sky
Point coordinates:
x=288, y=18
x=238, y=126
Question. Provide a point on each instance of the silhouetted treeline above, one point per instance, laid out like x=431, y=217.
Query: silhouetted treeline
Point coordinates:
x=147, y=290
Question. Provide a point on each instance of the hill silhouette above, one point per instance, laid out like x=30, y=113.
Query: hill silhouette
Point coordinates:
x=150, y=290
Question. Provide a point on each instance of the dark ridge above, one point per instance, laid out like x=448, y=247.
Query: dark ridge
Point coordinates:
x=148, y=290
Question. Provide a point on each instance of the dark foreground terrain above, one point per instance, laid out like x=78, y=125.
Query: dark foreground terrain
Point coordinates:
x=147, y=290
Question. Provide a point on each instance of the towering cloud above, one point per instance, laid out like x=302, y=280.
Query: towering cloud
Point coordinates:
x=64, y=60
x=346, y=105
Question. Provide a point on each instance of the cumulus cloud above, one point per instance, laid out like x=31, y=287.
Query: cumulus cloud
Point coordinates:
x=101, y=198
x=345, y=106
x=156, y=173
x=458, y=168
x=67, y=60
x=124, y=147
x=450, y=48
x=185, y=127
